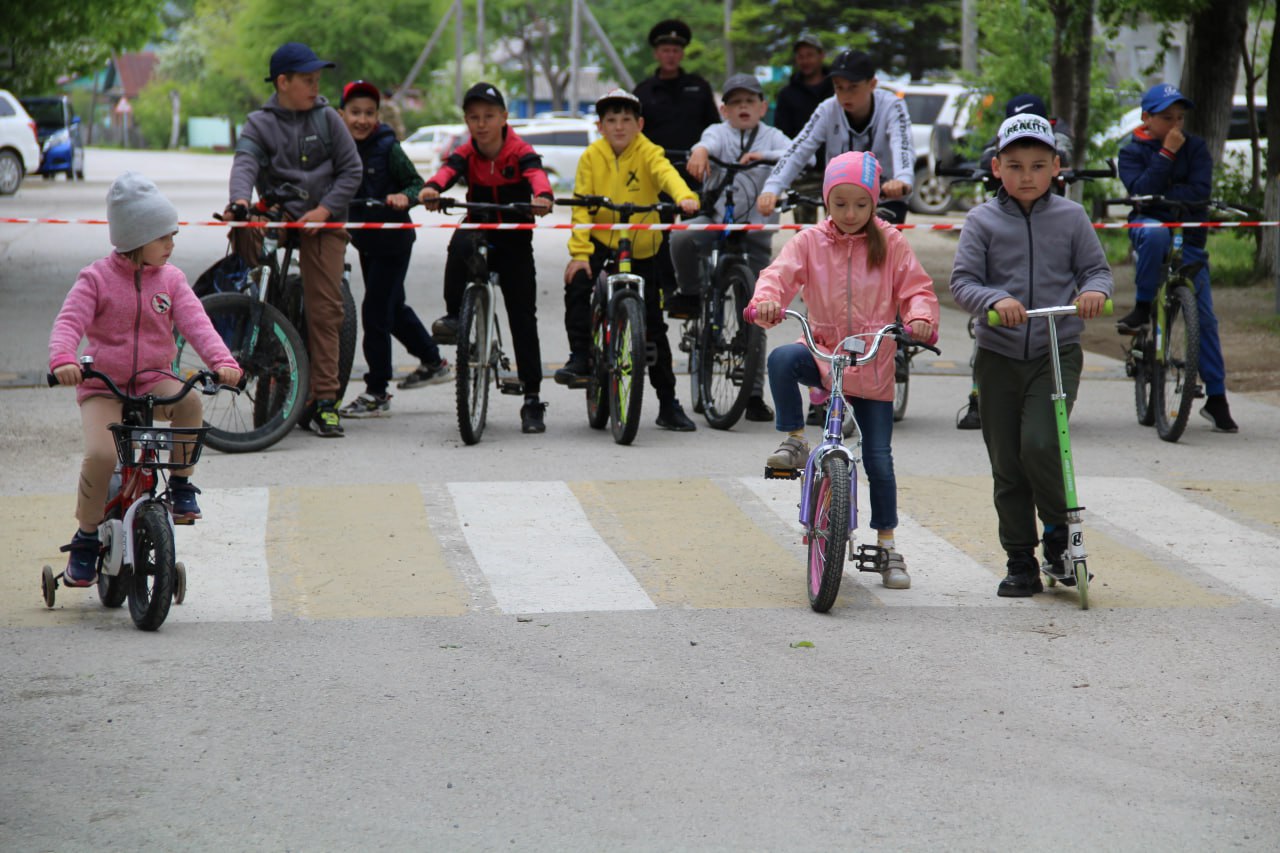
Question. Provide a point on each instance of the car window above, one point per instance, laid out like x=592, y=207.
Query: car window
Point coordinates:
x=576, y=138
x=923, y=108
x=46, y=114
x=1239, y=127
x=6, y=108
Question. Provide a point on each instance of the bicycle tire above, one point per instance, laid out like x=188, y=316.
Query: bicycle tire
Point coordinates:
x=626, y=366
x=277, y=374
x=152, y=578
x=471, y=378
x=901, y=383
x=729, y=348
x=598, y=383
x=828, y=532
x=1177, y=372
x=1141, y=359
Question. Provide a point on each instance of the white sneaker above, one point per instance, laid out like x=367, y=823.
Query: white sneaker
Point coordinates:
x=368, y=406
x=895, y=576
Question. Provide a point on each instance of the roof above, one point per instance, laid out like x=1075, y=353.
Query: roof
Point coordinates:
x=133, y=72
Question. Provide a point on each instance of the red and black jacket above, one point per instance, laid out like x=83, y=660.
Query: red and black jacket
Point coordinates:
x=515, y=175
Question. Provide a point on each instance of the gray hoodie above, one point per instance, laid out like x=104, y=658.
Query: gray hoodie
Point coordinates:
x=297, y=154
x=727, y=143
x=1042, y=259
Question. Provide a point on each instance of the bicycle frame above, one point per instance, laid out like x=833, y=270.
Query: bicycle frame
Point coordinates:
x=492, y=331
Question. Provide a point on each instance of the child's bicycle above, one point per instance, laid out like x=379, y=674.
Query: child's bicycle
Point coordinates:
x=137, y=559
x=1077, y=574
x=619, y=350
x=480, y=356
x=828, y=488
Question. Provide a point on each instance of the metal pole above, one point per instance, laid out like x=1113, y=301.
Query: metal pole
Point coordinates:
x=480, y=31
x=575, y=48
x=624, y=77
x=457, y=51
x=426, y=51
x=728, y=42
x=969, y=36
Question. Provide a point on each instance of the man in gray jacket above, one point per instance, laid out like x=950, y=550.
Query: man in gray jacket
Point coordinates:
x=297, y=138
x=1027, y=248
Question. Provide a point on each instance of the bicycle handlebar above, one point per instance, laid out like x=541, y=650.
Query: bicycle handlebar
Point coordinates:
x=442, y=204
x=993, y=317
x=1182, y=206
x=627, y=208
x=853, y=344
x=206, y=379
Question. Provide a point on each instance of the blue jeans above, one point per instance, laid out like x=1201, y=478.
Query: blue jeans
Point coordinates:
x=1152, y=246
x=791, y=366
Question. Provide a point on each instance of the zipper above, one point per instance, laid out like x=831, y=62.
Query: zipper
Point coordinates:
x=137, y=327
x=1031, y=282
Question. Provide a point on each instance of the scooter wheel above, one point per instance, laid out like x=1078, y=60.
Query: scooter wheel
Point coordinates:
x=180, y=583
x=48, y=586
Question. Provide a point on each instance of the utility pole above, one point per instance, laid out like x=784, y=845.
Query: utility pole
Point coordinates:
x=480, y=32
x=457, y=51
x=728, y=42
x=624, y=77
x=575, y=49
x=969, y=36
x=426, y=51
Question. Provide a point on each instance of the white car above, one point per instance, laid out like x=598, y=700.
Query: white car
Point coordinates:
x=560, y=142
x=19, y=144
x=939, y=117
x=427, y=146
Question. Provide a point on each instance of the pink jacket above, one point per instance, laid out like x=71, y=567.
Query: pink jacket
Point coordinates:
x=843, y=297
x=129, y=317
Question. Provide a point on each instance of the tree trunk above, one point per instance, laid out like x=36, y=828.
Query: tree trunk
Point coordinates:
x=1062, y=97
x=1083, y=61
x=1269, y=254
x=1213, y=63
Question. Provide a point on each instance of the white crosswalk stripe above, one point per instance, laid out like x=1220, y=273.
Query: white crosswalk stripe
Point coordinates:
x=227, y=576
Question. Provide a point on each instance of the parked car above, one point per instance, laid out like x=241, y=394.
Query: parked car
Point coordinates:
x=560, y=142
x=19, y=144
x=58, y=127
x=429, y=145
x=939, y=118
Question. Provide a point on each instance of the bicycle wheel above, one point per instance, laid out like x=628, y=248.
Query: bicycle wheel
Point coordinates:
x=829, y=532
x=729, y=348
x=901, y=382
x=277, y=374
x=1141, y=359
x=626, y=366
x=472, y=374
x=1175, y=374
x=152, y=579
x=346, y=338
x=598, y=384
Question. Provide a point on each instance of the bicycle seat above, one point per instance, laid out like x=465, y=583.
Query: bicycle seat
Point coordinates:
x=1191, y=270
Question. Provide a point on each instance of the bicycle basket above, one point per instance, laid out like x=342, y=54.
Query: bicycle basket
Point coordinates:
x=149, y=447
x=229, y=275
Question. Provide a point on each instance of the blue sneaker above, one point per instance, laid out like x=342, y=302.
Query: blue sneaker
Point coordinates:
x=82, y=559
x=183, y=495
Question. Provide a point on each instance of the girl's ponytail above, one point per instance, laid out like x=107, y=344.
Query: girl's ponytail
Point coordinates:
x=877, y=246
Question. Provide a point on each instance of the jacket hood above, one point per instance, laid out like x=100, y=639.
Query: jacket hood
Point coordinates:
x=273, y=105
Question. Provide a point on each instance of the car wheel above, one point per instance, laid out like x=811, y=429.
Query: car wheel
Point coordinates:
x=10, y=172
x=931, y=194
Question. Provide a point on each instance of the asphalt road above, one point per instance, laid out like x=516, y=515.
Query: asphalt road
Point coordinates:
x=395, y=641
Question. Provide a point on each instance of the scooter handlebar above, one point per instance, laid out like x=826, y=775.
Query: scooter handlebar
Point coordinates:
x=993, y=317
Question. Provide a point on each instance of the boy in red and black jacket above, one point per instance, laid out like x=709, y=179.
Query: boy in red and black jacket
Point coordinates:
x=500, y=168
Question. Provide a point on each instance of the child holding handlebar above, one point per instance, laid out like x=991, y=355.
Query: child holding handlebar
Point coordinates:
x=128, y=305
x=857, y=274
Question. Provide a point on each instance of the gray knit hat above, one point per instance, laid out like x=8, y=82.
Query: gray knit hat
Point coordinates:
x=137, y=213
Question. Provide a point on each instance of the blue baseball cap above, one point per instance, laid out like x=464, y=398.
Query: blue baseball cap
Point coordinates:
x=295, y=57
x=1162, y=96
x=1025, y=105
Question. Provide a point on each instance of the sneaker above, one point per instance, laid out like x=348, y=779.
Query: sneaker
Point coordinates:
x=758, y=410
x=894, y=575
x=82, y=559
x=368, y=406
x=182, y=498
x=427, y=374
x=576, y=371
x=790, y=455
x=1136, y=319
x=1023, y=577
x=445, y=330
x=1055, y=554
x=327, y=423
x=970, y=419
x=531, y=417
x=671, y=416
x=1218, y=412
x=817, y=416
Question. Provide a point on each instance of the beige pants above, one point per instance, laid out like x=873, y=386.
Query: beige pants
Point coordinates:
x=100, y=449
x=321, y=256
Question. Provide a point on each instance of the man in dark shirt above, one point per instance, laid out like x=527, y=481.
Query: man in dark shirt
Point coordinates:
x=810, y=85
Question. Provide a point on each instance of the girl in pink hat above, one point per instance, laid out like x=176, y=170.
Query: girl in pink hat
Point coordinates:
x=857, y=273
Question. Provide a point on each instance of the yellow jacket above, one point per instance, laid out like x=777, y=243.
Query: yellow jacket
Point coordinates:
x=636, y=175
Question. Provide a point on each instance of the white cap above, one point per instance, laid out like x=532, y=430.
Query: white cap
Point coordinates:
x=137, y=213
x=1025, y=127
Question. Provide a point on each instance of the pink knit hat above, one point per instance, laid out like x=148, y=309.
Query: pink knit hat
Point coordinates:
x=853, y=167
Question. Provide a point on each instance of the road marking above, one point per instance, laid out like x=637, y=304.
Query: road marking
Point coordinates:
x=538, y=551
x=226, y=559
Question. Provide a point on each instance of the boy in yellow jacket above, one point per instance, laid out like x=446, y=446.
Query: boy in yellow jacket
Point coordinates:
x=626, y=167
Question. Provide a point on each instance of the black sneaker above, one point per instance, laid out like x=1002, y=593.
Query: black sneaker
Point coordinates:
x=327, y=423
x=426, y=374
x=1023, y=577
x=1055, y=553
x=1218, y=413
x=970, y=419
x=445, y=330
x=182, y=497
x=531, y=417
x=82, y=559
x=1136, y=319
x=758, y=410
x=817, y=416
x=576, y=371
x=671, y=416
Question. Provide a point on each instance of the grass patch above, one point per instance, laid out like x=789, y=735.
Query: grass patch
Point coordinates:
x=1231, y=255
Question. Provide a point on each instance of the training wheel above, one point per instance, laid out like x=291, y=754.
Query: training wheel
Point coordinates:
x=48, y=586
x=179, y=583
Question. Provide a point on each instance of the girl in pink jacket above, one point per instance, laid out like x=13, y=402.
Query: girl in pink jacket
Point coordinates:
x=857, y=274
x=127, y=305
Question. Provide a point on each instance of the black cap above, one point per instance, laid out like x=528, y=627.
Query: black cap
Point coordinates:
x=1025, y=105
x=486, y=92
x=670, y=31
x=854, y=66
x=292, y=57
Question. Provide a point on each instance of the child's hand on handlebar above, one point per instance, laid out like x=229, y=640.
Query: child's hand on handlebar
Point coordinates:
x=1090, y=305
x=689, y=206
x=319, y=213
x=574, y=268
x=398, y=201
x=428, y=198
x=766, y=203
x=229, y=376
x=921, y=330
x=1011, y=311
x=768, y=314
x=69, y=374
x=541, y=205
x=697, y=165
x=894, y=189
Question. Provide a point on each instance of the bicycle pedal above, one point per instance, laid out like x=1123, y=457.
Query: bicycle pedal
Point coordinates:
x=578, y=382
x=771, y=473
x=511, y=386
x=870, y=558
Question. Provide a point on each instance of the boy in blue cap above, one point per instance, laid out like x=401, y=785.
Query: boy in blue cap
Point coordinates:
x=1163, y=160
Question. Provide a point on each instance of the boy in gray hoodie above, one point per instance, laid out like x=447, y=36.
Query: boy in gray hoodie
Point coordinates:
x=296, y=138
x=1027, y=248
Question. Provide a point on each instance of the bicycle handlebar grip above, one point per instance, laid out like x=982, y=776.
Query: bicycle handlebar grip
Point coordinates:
x=749, y=313
x=52, y=380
